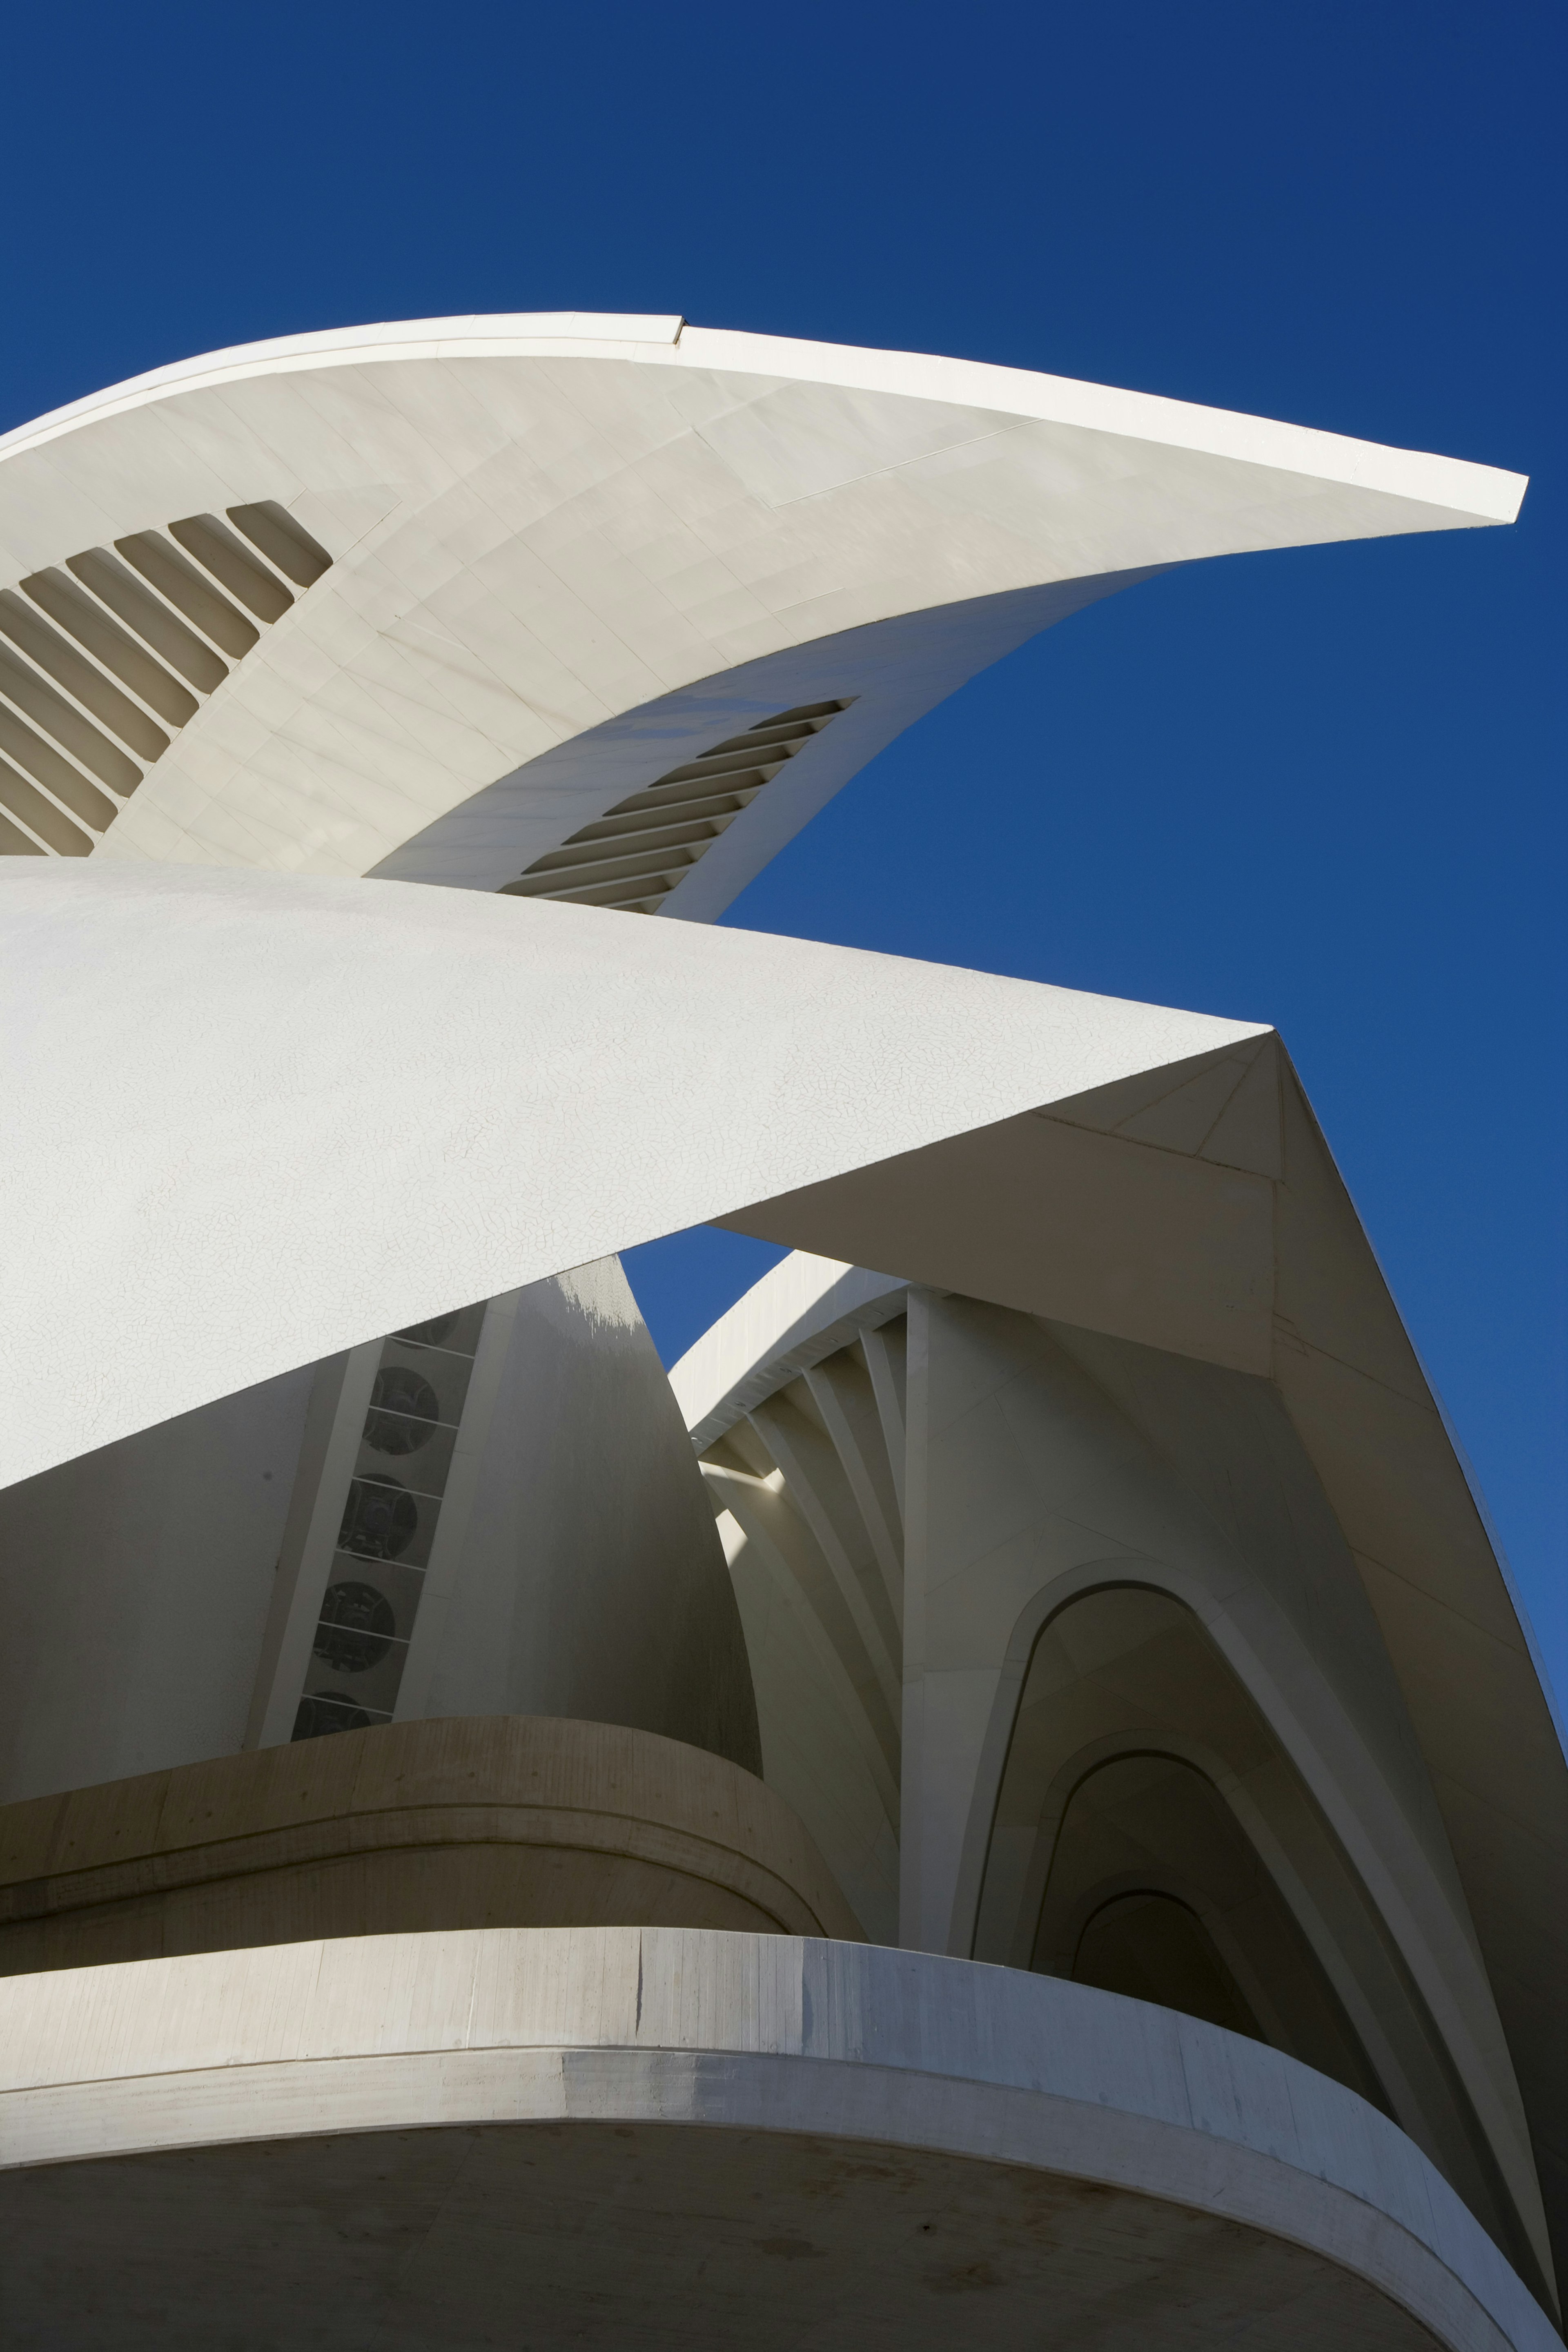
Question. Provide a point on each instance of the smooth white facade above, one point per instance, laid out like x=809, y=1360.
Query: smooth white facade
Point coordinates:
x=575, y=1095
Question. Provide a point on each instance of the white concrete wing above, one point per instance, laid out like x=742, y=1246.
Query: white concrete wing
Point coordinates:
x=429, y=600
x=255, y=1119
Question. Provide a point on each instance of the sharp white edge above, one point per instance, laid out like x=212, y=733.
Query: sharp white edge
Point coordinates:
x=791, y=1302
x=254, y=1119
x=1485, y=493
x=554, y=334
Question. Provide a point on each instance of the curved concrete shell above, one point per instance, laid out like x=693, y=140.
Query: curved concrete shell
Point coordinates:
x=1046, y=1615
x=296, y=1112
x=520, y=1821
x=610, y=2136
x=431, y=600
x=491, y=1513
x=1193, y=1215
x=1099, y=1585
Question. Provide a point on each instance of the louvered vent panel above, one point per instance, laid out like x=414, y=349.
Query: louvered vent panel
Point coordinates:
x=104, y=658
x=636, y=853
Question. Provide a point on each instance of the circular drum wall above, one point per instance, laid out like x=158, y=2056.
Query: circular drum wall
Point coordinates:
x=477, y=1821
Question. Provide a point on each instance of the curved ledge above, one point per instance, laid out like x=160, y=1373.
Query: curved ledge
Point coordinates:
x=510, y=1820
x=1150, y=2140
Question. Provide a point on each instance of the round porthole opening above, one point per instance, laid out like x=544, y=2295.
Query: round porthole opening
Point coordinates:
x=381, y=1519
x=403, y=1411
x=356, y=1628
x=327, y=1711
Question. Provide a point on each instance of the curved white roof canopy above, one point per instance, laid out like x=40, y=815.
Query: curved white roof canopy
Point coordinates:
x=257, y=1119
x=569, y=554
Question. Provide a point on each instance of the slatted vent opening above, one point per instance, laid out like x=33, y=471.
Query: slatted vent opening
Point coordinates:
x=390, y=1518
x=104, y=658
x=636, y=853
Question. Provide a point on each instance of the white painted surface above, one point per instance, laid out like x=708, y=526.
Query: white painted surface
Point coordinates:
x=799, y=1301
x=1485, y=492
x=768, y=2034
x=561, y=543
x=891, y=672
x=1029, y=1484
x=587, y=1580
x=160, y=1599
x=289, y=1114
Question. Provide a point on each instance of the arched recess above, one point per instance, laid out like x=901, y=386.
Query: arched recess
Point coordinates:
x=1137, y=1763
x=1154, y=1889
x=1150, y=1945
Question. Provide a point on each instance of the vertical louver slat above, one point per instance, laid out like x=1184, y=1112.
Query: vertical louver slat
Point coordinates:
x=76, y=614
x=217, y=549
x=45, y=766
x=273, y=531
x=155, y=622
x=645, y=846
x=50, y=652
x=180, y=584
x=101, y=658
x=15, y=843
x=29, y=693
x=49, y=824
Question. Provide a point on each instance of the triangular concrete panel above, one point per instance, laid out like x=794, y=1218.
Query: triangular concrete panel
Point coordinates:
x=1182, y=1120
x=1246, y=1132
x=583, y=1082
x=1106, y=1109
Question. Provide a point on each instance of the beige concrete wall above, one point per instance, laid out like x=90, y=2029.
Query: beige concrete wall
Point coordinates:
x=477, y=1823
x=134, y=1585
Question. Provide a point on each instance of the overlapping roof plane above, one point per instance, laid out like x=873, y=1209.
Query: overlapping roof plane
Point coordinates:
x=564, y=563
x=292, y=1112
x=569, y=553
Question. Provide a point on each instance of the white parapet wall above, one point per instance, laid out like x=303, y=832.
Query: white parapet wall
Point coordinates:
x=896, y=2136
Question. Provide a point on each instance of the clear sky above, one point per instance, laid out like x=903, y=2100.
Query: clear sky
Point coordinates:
x=1323, y=788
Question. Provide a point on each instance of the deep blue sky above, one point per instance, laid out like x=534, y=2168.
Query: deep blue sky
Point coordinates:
x=1324, y=790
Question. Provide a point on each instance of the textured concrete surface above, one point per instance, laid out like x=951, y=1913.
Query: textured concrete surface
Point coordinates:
x=642, y=2136
x=562, y=1560
x=632, y=2234
x=1035, y=1454
x=517, y=1822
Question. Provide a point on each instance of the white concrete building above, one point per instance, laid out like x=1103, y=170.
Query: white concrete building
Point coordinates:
x=1018, y=1797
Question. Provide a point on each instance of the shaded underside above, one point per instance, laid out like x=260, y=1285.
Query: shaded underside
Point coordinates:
x=633, y=2236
